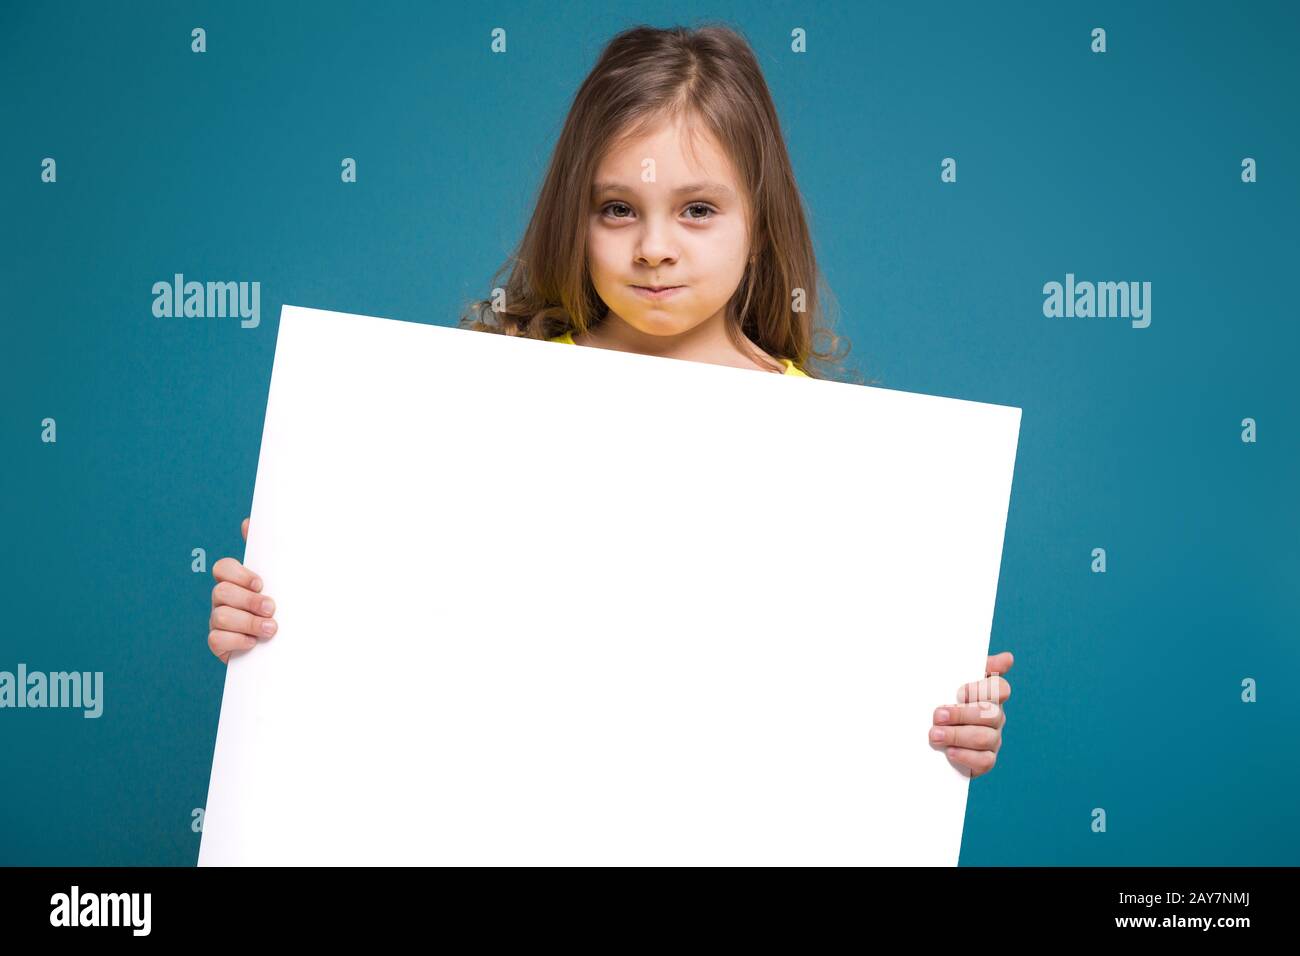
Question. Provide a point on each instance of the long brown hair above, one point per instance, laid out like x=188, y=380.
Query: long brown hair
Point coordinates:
x=708, y=75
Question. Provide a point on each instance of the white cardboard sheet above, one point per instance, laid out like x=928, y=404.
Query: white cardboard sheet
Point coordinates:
x=546, y=604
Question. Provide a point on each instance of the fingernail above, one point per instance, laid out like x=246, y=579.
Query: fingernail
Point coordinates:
x=256, y=584
x=942, y=717
x=268, y=627
x=938, y=734
x=268, y=607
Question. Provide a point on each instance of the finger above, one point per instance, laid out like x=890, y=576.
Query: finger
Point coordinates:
x=225, y=643
x=985, y=713
x=241, y=622
x=228, y=569
x=243, y=529
x=999, y=663
x=990, y=688
x=965, y=736
x=974, y=762
x=232, y=595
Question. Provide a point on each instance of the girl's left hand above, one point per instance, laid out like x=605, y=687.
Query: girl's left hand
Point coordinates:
x=970, y=731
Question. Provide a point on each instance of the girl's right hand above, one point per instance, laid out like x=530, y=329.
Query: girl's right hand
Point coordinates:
x=240, y=612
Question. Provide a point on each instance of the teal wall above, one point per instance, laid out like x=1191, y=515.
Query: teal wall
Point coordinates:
x=1117, y=166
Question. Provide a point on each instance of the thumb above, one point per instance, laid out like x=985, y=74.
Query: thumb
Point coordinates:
x=243, y=529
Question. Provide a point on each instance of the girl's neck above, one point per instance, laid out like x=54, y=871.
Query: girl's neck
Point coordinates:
x=706, y=342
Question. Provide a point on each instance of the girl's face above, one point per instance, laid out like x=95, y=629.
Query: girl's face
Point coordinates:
x=687, y=227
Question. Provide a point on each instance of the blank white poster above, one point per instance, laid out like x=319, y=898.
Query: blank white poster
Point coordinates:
x=548, y=604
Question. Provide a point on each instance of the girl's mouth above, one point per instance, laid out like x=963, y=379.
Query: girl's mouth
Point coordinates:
x=662, y=292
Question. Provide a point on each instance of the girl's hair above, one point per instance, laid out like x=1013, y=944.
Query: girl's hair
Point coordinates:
x=645, y=75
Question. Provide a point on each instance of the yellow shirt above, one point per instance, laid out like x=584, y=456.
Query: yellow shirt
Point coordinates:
x=790, y=367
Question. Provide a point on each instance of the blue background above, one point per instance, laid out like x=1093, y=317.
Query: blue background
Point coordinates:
x=1117, y=166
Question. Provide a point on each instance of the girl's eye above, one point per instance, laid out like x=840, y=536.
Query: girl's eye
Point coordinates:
x=708, y=210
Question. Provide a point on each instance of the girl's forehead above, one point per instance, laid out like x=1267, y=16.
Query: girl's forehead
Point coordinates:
x=689, y=152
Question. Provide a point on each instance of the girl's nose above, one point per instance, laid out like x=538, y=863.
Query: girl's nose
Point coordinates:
x=655, y=246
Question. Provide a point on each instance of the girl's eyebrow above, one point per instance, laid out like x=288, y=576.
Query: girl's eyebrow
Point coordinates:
x=704, y=187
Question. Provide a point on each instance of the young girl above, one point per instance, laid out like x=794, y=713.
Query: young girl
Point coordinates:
x=669, y=223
